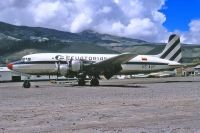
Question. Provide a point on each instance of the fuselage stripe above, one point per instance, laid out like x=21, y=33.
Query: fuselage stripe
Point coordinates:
x=64, y=62
x=41, y=62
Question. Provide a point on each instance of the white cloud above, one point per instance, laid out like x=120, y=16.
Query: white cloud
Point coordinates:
x=81, y=22
x=158, y=17
x=131, y=8
x=45, y=11
x=130, y=18
x=195, y=26
x=193, y=35
x=116, y=1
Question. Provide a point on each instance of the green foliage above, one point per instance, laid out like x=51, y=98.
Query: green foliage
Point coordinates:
x=196, y=60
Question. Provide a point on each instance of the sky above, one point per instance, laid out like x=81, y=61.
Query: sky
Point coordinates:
x=179, y=13
x=150, y=20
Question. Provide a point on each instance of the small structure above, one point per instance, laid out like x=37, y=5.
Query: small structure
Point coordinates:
x=197, y=70
x=189, y=71
x=179, y=72
x=8, y=75
x=5, y=74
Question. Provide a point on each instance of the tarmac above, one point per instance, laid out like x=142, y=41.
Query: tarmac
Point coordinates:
x=144, y=105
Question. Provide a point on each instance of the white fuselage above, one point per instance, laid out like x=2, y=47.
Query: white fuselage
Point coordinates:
x=45, y=63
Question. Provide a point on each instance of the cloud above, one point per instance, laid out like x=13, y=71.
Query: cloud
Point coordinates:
x=81, y=22
x=193, y=35
x=44, y=11
x=129, y=18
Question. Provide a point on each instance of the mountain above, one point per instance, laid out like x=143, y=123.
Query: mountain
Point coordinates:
x=17, y=41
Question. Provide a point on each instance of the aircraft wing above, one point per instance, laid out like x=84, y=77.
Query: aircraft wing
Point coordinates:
x=110, y=66
x=186, y=65
x=120, y=59
x=191, y=65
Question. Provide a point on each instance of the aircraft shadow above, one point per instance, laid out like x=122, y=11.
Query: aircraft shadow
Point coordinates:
x=124, y=86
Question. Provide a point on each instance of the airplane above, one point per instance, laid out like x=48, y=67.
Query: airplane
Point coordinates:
x=93, y=65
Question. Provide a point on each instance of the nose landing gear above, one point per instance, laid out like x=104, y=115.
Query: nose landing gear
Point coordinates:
x=26, y=84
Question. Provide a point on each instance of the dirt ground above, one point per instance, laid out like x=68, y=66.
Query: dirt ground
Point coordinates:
x=157, y=105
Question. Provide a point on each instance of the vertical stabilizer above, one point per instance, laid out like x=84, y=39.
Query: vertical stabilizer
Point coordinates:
x=172, y=50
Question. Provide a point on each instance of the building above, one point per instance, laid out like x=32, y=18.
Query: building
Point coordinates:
x=5, y=74
x=197, y=70
x=8, y=75
x=189, y=71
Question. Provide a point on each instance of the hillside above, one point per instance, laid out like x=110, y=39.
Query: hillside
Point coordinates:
x=17, y=41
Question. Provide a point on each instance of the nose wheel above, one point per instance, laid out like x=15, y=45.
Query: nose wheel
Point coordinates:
x=26, y=84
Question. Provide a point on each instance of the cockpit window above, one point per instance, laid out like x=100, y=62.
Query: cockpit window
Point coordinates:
x=23, y=59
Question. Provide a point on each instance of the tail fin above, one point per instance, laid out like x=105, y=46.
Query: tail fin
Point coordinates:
x=172, y=50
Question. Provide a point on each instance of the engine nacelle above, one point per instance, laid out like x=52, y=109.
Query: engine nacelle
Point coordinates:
x=64, y=69
x=70, y=68
x=76, y=65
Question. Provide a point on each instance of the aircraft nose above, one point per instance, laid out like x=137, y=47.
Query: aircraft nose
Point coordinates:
x=10, y=66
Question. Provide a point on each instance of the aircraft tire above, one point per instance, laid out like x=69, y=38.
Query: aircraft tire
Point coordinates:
x=26, y=84
x=81, y=82
x=94, y=82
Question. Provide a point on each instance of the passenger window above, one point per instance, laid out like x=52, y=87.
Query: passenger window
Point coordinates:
x=29, y=59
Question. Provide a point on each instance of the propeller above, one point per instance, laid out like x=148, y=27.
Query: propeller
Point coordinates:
x=70, y=63
x=58, y=69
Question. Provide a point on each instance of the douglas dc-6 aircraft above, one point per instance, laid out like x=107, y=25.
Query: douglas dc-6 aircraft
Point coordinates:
x=92, y=65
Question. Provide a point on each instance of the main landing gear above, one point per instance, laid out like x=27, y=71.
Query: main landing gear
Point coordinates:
x=93, y=82
x=26, y=84
x=81, y=82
